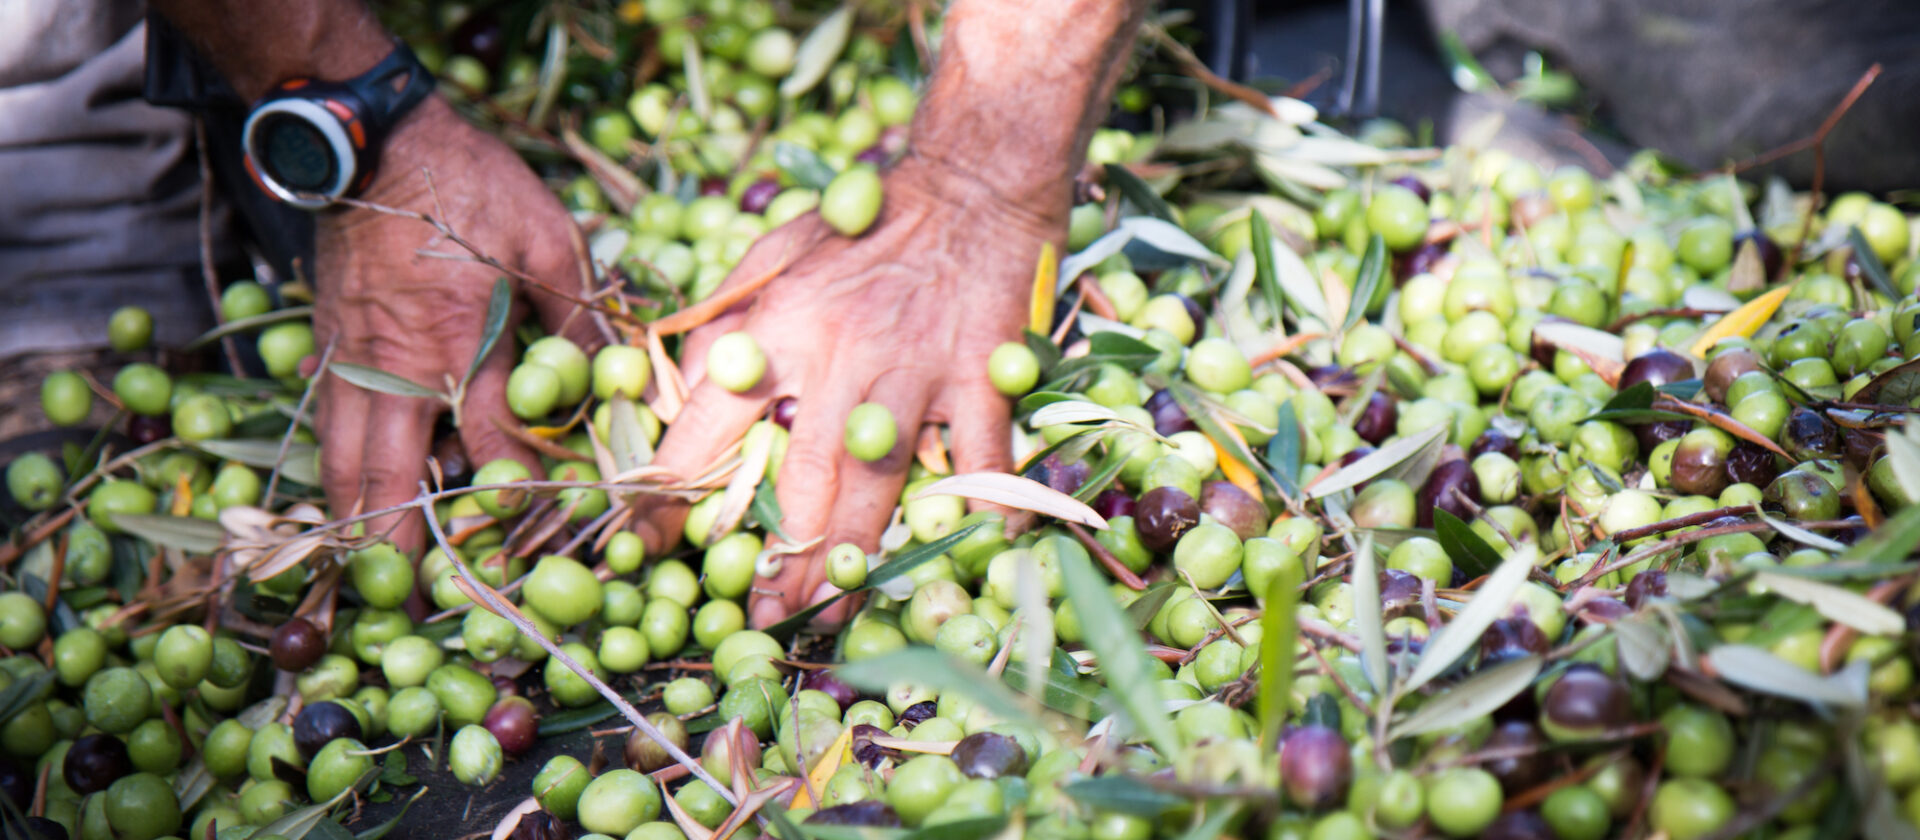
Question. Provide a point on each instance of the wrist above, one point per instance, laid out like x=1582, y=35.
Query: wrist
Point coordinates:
x=264, y=43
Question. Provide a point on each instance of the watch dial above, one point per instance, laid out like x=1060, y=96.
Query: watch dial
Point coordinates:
x=295, y=153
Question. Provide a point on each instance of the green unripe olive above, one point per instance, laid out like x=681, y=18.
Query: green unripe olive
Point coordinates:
x=117, y=699
x=463, y=693
x=501, y=504
x=1218, y=366
x=847, y=566
x=65, y=398
x=116, y=496
x=142, y=806
x=408, y=660
x=1398, y=215
x=144, y=389
x=625, y=552
x=532, y=390
x=851, y=201
x=1210, y=553
x=77, y=654
x=559, y=784
x=921, y=785
x=155, y=746
x=870, y=432
x=1013, y=369
x=336, y=768
x=244, y=299
x=382, y=575
x=735, y=362
x=619, y=370
x=568, y=688
x=1700, y=742
x=474, y=755
x=664, y=622
x=1687, y=808
x=225, y=749
x=34, y=481
x=563, y=590
x=1575, y=812
x=622, y=650
x=617, y=802
x=1463, y=801
x=283, y=346
x=184, y=655
x=23, y=622
x=413, y=712
x=728, y=565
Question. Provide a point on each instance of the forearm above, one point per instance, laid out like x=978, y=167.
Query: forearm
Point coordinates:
x=259, y=43
x=1019, y=87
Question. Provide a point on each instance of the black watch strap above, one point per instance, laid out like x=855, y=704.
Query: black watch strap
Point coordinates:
x=391, y=88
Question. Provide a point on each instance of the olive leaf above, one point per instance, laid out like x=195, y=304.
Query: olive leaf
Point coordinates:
x=1758, y=670
x=1894, y=540
x=696, y=75
x=1123, y=660
x=1283, y=450
x=802, y=164
x=1903, y=452
x=1096, y=252
x=385, y=828
x=1367, y=620
x=240, y=325
x=1201, y=411
x=22, y=693
x=499, y=307
x=966, y=829
x=1097, y=482
x=1263, y=270
x=1071, y=411
x=194, y=536
x=1799, y=534
x=1063, y=693
x=818, y=51
x=191, y=784
x=1041, y=399
x=901, y=564
x=1641, y=641
x=766, y=511
x=1104, y=349
x=1137, y=191
x=1016, y=492
x=1454, y=639
x=1870, y=264
x=265, y=454
x=1373, y=267
x=1470, y=699
x=1140, y=613
x=1124, y=794
x=1279, y=627
x=1899, y=385
x=571, y=720
x=939, y=672
x=1220, y=813
x=1381, y=460
x=375, y=379
x=1838, y=604
x=1469, y=553
x=1168, y=238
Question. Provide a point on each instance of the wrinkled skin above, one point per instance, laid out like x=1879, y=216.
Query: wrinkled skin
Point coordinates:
x=386, y=306
x=905, y=316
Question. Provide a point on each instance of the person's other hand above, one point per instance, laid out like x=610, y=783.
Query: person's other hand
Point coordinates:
x=905, y=316
x=388, y=306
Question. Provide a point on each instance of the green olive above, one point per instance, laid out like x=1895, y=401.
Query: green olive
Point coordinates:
x=339, y=765
x=619, y=370
x=563, y=590
x=184, y=655
x=474, y=755
x=65, y=398
x=142, y=806
x=1013, y=369
x=870, y=433
x=617, y=802
x=34, y=481
x=284, y=346
x=501, y=504
x=852, y=200
x=143, y=389
x=117, y=699
x=129, y=328
x=735, y=362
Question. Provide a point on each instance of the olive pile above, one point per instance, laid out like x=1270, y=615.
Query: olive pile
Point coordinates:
x=1592, y=519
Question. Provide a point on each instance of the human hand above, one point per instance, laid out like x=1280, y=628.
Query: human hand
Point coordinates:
x=389, y=307
x=904, y=316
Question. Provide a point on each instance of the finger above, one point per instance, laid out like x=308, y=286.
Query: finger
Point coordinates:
x=485, y=411
x=713, y=420
x=809, y=478
x=340, y=420
x=394, y=461
x=559, y=261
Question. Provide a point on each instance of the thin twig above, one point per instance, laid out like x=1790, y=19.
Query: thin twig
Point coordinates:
x=286, y=440
x=207, y=273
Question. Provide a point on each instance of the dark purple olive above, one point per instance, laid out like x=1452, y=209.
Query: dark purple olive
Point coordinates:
x=145, y=429
x=1317, y=767
x=1353, y=455
x=1810, y=436
x=1162, y=515
x=95, y=762
x=1726, y=367
x=1748, y=463
x=1399, y=593
x=1651, y=583
x=1233, y=507
x=514, y=723
x=1584, y=703
x=320, y=723
x=918, y=713
x=644, y=754
x=1494, y=440
x=759, y=194
x=1656, y=367
x=1770, y=257
x=723, y=746
x=1414, y=183
x=714, y=185
x=867, y=813
x=990, y=755
x=1418, y=260
x=1516, y=773
x=784, y=410
x=504, y=686
x=1511, y=638
x=16, y=784
x=1113, y=503
x=1065, y=477
x=1658, y=432
x=1194, y=311
x=1329, y=376
x=864, y=749
x=875, y=154
x=541, y=825
x=1604, y=610
x=482, y=37
x=1168, y=417
x=296, y=645
x=825, y=682
x=1377, y=422
x=1519, y=825
x=1700, y=465
x=1541, y=350
x=1439, y=491
x=1861, y=448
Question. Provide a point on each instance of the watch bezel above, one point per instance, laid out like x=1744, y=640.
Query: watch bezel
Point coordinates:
x=329, y=126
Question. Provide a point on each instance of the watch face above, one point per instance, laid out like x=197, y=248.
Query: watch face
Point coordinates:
x=295, y=154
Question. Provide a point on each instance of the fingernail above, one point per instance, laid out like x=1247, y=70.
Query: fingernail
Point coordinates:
x=767, y=612
x=825, y=591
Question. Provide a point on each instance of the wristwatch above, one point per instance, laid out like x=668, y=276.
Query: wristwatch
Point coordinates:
x=311, y=142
